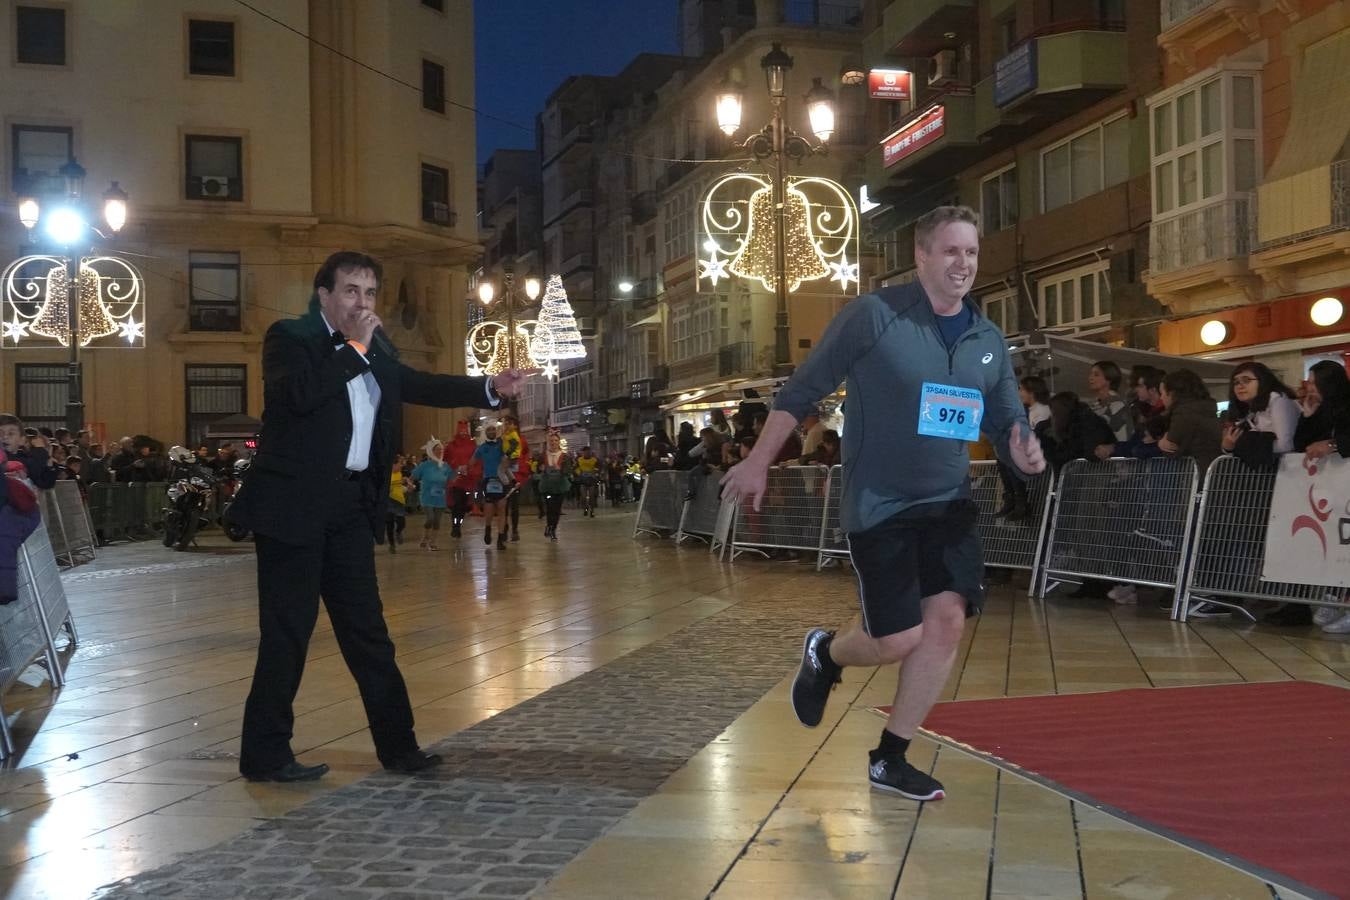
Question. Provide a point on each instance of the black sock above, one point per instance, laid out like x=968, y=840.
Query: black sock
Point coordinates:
x=823, y=650
x=892, y=744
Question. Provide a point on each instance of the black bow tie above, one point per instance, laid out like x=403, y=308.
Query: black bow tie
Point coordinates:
x=339, y=338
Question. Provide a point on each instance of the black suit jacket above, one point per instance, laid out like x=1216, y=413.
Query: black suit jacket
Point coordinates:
x=307, y=428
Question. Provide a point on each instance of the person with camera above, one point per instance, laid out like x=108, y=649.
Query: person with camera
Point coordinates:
x=315, y=496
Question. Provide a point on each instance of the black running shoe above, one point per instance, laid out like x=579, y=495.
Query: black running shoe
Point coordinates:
x=895, y=774
x=815, y=679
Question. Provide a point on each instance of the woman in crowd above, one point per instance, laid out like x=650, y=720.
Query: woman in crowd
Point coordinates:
x=718, y=422
x=555, y=482
x=685, y=441
x=1193, y=424
x=1263, y=416
x=614, y=474
x=431, y=476
x=657, y=454
x=1322, y=427
x=1073, y=431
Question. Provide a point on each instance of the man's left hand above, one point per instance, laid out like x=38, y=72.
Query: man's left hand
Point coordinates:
x=511, y=382
x=1025, y=450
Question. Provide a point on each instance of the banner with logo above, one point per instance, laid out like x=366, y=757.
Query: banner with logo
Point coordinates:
x=1308, y=536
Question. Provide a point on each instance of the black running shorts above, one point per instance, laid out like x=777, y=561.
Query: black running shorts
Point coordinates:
x=916, y=553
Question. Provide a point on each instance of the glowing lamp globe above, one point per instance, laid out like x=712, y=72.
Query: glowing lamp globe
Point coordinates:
x=1327, y=311
x=1213, y=333
x=64, y=226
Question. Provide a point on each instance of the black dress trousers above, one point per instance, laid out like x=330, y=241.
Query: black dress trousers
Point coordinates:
x=291, y=579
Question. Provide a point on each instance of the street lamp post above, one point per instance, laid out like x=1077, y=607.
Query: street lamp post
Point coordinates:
x=65, y=226
x=777, y=141
x=508, y=299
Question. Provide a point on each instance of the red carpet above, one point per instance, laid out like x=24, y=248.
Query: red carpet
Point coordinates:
x=1256, y=771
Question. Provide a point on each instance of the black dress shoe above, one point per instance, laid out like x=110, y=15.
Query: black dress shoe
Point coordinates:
x=292, y=771
x=413, y=761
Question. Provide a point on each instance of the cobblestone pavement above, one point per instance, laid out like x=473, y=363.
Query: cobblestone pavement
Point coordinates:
x=520, y=794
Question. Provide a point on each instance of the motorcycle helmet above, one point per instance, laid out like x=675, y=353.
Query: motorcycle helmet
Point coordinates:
x=240, y=466
x=181, y=454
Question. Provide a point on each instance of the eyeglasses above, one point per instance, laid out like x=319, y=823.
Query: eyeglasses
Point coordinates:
x=1246, y=380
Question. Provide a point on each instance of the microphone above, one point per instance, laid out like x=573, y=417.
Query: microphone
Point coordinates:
x=380, y=341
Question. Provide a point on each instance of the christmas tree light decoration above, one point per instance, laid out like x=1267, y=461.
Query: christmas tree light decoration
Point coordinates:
x=737, y=229
x=35, y=296
x=563, y=339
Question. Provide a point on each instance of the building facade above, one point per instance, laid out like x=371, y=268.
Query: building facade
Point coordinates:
x=250, y=154
x=1251, y=175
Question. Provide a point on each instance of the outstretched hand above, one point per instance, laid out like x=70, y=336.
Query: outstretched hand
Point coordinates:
x=512, y=381
x=746, y=480
x=1025, y=449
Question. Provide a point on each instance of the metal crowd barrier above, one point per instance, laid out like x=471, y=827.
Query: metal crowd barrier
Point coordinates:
x=28, y=626
x=126, y=511
x=1010, y=543
x=1123, y=520
x=661, y=504
x=698, y=518
x=791, y=514
x=72, y=534
x=1230, y=542
x=833, y=540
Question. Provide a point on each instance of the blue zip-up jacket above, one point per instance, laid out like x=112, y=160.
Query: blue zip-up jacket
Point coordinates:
x=883, y=346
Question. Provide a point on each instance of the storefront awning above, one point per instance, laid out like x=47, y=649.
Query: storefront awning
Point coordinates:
x=1065, y=362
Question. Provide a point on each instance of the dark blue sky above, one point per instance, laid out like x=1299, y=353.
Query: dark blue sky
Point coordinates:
x=525, y=48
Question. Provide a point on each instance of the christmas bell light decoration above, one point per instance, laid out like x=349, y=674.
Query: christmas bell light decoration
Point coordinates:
x=802, y=257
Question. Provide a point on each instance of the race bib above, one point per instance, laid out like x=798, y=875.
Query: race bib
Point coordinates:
x=950, y=412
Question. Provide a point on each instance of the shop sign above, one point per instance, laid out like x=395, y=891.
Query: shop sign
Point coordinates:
x=918, y=134
x=1015, y=74
x=890, y=84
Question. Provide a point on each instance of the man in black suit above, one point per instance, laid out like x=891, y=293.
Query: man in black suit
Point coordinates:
x=315, y=496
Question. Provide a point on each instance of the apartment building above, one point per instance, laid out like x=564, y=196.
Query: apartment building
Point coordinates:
x=1032, y=113
x=1251, y=181
x=250, y=153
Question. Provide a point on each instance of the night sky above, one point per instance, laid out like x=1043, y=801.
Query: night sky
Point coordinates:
x=525, y=48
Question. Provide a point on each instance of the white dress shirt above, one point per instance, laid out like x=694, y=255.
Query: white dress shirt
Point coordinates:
x=363, y=392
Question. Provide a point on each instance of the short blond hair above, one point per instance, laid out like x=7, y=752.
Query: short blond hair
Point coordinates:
x=934, y=219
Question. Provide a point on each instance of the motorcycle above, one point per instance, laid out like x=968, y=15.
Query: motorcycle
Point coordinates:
x=232, y=530
x=192, y=488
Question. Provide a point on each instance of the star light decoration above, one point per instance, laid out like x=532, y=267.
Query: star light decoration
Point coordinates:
x=737, y=227
x=34, y=303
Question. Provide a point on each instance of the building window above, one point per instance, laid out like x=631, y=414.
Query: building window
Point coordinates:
x=697, y=327
x=678, y=223
x=438, y=5
x=215, y=168
x=40, y=395
x=1001, y=309
x=998, y=200
x=1086, y=163
x=38, y=153
x=433, y=86
x=214, y=392
x=213, y=304
x=40, y=35
x=211, y=48
x=1077, y=297
x=436, y=196
x=1204, y=143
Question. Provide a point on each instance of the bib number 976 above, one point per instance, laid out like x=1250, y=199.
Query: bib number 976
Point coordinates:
x=951, y=416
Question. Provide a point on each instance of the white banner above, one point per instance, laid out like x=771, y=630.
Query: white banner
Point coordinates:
x=1308, y=535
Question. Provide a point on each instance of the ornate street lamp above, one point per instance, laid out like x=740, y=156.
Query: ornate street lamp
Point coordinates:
x=778, y=143
x=69, y=295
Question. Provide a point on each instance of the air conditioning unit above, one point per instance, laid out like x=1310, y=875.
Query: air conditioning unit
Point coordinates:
x=215, y=186
x=586, y=325
x=942, y=68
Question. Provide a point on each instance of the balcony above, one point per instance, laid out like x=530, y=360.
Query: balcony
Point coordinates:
x=1050, y=77
x=643, y=206
x=580, y=198
x=576, y=136
x=1188, y=25
x=674, y=172
x=937, y=142
x=920, y=28
x=736, y=359
x=1200, y=251
x=813, y=12
x=1303, y=218
x=575, y=262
